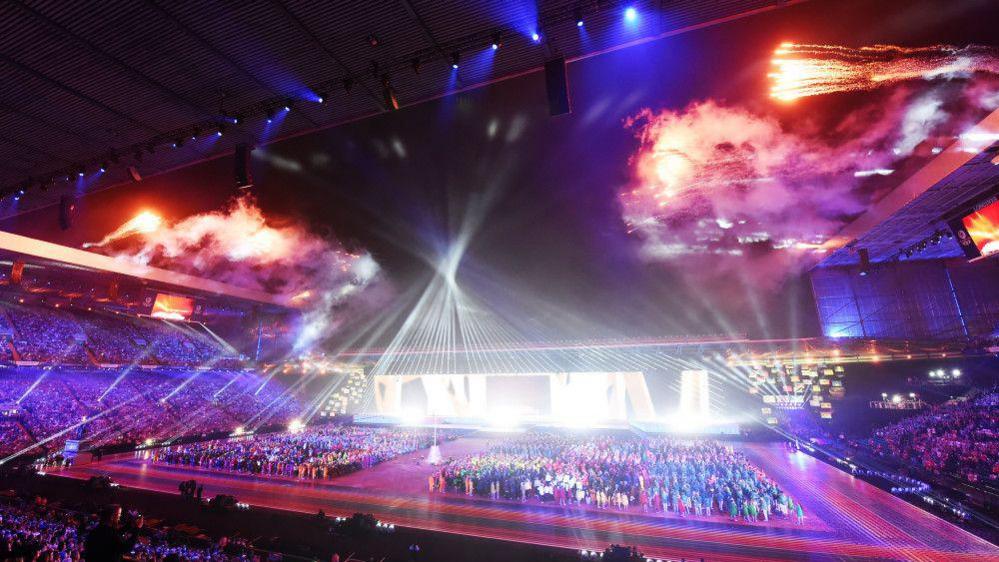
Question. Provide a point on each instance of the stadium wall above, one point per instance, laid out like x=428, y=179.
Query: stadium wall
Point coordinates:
x=921, y=300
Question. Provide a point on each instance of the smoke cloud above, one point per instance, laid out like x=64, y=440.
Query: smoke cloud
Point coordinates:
x=240, y=246
x=731, y=189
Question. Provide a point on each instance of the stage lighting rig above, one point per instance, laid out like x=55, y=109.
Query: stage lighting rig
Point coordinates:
x=455, y=58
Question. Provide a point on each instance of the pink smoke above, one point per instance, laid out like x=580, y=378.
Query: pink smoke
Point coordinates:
x=240, y=246
x=731, y=189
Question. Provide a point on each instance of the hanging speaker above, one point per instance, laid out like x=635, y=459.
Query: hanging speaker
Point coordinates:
x=557, y=87
x=241, y=166
x=134, y=174
x=67, y=207
x=865, y=261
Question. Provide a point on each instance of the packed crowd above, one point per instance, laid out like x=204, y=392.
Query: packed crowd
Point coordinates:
x=960, y=439
x=317, y=453
x=38, y=533
x=129, y=406
x=59, y=336
x=653, y=474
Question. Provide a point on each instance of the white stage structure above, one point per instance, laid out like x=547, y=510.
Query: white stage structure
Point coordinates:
x=586, y=397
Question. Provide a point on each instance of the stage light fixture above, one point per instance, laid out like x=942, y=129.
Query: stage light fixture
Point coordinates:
x=497, y=41
x=270, y=115
x=536, y=37
x=630, y=14
x=455, y=58
x=195, y=133
x=104, y=167
x=577, y=15
x=220, y=130
x=287, y=105
x=80, y=170
x=373, y=40
x=321, y=98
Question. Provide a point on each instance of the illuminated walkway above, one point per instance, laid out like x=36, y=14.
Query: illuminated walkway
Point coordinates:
x=846, y=518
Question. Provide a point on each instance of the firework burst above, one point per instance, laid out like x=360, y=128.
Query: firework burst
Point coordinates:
x=811, y=70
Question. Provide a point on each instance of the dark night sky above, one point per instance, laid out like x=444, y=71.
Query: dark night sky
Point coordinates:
x=552, y=231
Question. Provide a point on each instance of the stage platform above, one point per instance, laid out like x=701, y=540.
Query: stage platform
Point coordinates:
x=846, y=518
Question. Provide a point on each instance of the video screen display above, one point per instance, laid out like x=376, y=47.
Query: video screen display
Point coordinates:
x=982, y=227
x=172, y=307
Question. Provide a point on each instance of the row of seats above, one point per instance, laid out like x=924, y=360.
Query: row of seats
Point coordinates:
x=57, y=336
x=47, y=406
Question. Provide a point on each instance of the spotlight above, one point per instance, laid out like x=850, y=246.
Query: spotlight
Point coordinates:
x=630, y=14
x=287, y=105
x=536, y=36
x=415, y=65
x=321, y=98
x=455, y=57
x=80, y=170
x=178, y=142
x=577, y=15
x=195, y=133
x=104, y=167
x=270, y=115
x=220, y=130
x=497, y=43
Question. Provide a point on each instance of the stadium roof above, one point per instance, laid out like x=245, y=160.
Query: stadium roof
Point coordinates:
x=921, y=205
x=93, y=82
x=66, y=256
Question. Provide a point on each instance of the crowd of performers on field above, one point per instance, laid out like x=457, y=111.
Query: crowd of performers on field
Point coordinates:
x=321, y=452
x=652, y=474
